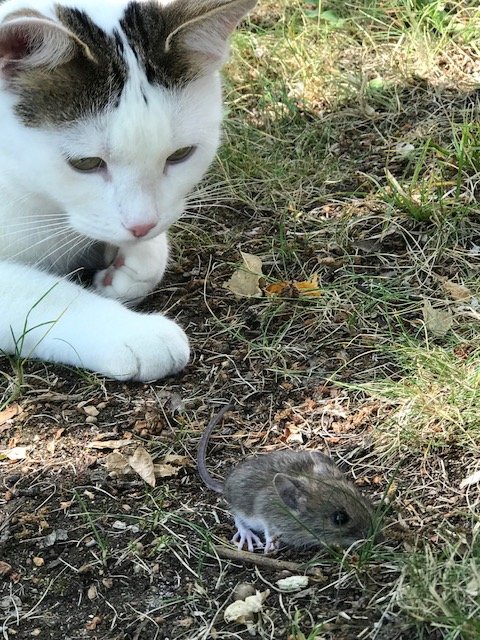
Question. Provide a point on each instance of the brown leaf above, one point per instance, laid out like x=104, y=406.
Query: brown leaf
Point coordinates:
x=172, y=458
x=108, y=444
x=456, y=291
x=165, y=470
x=9, y=413
x=93, y=624
x=5, y=568
x=142, y=463
x=117, y=463
x=437, y=321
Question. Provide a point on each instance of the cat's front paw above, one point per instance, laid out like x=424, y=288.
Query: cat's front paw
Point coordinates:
x=135, y=272
x=126, y=280
x=147, y=348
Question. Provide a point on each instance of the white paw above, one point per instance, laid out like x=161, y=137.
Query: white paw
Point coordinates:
x=146, y=348
x=126, y=279
x=135, y=272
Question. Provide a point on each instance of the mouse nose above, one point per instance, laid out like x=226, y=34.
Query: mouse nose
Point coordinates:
x=141, y=230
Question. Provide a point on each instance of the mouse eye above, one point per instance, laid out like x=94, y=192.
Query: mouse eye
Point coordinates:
x=340, y=518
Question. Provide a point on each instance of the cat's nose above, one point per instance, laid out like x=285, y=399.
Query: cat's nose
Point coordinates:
x=140, y=230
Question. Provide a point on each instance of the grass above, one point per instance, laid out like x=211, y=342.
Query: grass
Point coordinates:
x=351, y=151
x=352, y=142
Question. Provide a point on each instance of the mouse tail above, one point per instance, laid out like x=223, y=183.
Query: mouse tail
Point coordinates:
x=211, y=483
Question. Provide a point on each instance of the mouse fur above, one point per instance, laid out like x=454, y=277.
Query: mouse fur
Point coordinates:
x=299, y=498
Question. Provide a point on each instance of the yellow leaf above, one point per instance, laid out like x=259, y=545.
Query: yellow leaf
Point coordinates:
x=303, y=289
x=245, y=281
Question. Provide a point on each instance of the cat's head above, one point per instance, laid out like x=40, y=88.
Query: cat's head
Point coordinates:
x=111, y=110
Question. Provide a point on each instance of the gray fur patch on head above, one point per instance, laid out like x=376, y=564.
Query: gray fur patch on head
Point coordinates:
x=91, y=79
x=182, y=40
x=88, y=69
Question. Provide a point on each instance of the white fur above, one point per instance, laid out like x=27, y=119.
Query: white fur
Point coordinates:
x=50, y=215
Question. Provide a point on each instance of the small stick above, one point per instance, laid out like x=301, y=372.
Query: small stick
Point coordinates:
x=265, y=561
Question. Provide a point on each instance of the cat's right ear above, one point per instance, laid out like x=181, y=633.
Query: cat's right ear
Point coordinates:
x=28, y=40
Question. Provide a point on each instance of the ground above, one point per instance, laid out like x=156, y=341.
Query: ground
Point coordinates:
x=351, y=152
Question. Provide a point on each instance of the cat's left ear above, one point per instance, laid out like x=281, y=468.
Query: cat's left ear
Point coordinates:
x=205, y=29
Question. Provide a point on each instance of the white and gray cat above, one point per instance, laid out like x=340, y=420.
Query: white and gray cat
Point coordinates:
x=110, y=113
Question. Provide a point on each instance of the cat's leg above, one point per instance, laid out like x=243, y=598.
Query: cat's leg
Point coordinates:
x=46, y=317
x=136, y=270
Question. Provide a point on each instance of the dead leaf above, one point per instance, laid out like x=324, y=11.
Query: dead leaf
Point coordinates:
x=243, y=611
x=473, y=587
x=91, y=411
x=245, y=281
x=92, y=592
x=9, y=413
x=293, y=583
x=181, y=461
x=294, y=289
x=16, y=453
x=309, y=288
x=165, y=470
x=108, y=444
x=142, y=463
x=437, y=321
x=456, y=291
x=117, y=463
x=93, y=624
x=292, y=433
x=5, y=568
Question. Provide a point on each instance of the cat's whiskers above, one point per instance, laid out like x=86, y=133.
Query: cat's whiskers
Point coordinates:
x=48, y=239
x=65, y=248
x=22, y=227
x=78, y=245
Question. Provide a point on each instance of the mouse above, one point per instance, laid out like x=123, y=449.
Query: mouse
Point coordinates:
x=296, y=498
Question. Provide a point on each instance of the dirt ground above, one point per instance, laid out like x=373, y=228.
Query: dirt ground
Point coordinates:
x=89, y=555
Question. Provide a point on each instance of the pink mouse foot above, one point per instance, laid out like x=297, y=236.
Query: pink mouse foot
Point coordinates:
x=245, y=535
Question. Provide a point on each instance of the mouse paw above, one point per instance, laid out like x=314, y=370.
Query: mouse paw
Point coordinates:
x=271, y=544
x=245, y=535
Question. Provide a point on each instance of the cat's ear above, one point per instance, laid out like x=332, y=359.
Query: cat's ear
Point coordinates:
x=28, y=39
x=206, y=28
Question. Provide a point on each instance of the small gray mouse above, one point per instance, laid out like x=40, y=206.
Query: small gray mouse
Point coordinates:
x=299, y=498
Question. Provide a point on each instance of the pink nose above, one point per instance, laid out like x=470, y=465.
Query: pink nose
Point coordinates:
x=141, y=230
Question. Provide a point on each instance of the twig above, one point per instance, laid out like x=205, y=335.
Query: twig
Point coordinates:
x=266, y=561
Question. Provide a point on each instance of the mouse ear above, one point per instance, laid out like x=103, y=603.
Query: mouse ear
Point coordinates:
x=290, y=491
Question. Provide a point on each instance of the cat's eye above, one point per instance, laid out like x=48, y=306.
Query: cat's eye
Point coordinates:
x=340, y=518
x=180, y=155
x=87, y=165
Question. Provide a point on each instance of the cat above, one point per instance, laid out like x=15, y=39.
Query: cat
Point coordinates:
x=110, y=114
